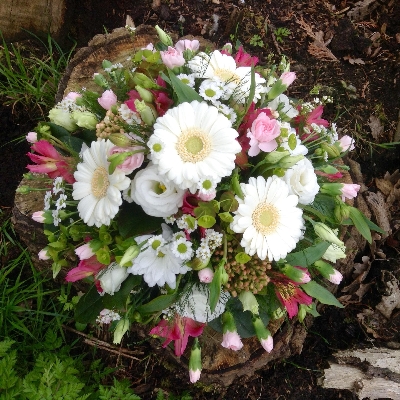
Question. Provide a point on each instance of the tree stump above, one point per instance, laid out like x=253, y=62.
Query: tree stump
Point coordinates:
x=221, y=366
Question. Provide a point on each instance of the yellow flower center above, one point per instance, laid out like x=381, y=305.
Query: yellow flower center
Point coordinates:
x=265, y=218
x=227, y=75
x=286, y=291
x=193, y=145
x=100, y=182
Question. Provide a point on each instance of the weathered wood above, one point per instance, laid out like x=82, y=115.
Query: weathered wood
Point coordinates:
x=372, y=373
x=37, y=16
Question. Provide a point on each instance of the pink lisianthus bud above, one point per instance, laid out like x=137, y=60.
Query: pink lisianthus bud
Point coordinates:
x=336, y=277
x=206, y=275
x=31, y=137
x=84, y=252
x=43, y=255
x=185, y=44
x=107, y=99
x=38, y=216
x=172, y=58
x=287, y=78
x=131, y=162
x=346, y=143
x=262, y=136
x=349, y=191
x=231, y=340
x=72, y=96
x=267, y=344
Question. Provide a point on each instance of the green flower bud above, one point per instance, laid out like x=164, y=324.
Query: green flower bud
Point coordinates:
x=164, y=38
x=85, y=119
x=332, y=150
x=289, y=161
x=333, y=189
x=198, y=264
x=275, y=156
x=228, y=322
x=342, y=211
x=249, y=302
x=147, y=113
x=144, y=81
x=130, y=254
x=195, y=362
x=145, y=94
x=120, y=330
x=326, y=233
x=277, y=88
x=119, y=139
x=100, y=81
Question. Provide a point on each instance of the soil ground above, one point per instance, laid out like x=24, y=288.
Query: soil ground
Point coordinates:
x=357, y=62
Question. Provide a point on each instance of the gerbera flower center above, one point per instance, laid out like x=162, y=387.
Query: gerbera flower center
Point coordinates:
x=193, y=145
x=100, y=182
x=286, y=291
x=265, y=218
x=227, y=75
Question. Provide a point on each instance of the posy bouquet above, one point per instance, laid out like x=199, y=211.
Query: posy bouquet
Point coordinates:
x=191, y=190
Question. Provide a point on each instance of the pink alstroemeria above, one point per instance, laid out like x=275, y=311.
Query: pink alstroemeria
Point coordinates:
x=49, y=161
x=349, y=191
x=179, y=331
x=315, y=117
x=84, y=269
x=133, y=95
x=290, y=295
x=244, y=59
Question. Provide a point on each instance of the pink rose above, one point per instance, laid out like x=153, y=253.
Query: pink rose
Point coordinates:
x=183, y=45
x=349, y=191
x=107, y=99
x=172, y=58
x=287, y=78
x=72, y=96
x=131, y=162
x=346, y=143
x=31, y=137
x=231, y=340
x=262, y=136
x=206, y=275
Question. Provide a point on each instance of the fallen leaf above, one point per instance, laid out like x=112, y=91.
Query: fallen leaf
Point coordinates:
x=376, y=126
x=392, y=299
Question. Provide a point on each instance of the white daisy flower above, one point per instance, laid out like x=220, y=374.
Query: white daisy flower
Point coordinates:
x=210, y=90
x=268, y=218
x=226, y=110
x=187, y=222
x=236, y=80
x=186, y=79
x=207, y=185
x=191, y=141
x=182, y=249
x=98, y=191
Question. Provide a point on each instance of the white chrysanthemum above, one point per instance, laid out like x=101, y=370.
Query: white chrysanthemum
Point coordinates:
x=182, y=249
x=154, y=193
x=210, y=90
x=194, y=304
x=226, y=110
x=98, y=191
x=268, y=218
x=236, y=80
x=191, y=141
x=186, y=79
x=302, y=181
x=158, y=265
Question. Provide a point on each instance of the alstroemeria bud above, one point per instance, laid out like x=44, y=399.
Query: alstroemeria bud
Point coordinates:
x=100, y=80
x=147, y=113
x=120, y=330
x=297, y=274
x=326, y=233
x=249, y=302
x=144, y=81
x=145, y=95
x=289, y=161
x=342, y=211
x=195, y=362
x=328, y=272
x=164, y=38
x=263, y=334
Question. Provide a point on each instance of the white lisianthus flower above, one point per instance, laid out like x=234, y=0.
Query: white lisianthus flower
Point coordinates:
x=302, y=181
x=98, y=191
x=268, y=218
x=236, y=80
x=192, y=141
x=112, y=277
x=194, y=304
x=63, y=118
x=158, y=196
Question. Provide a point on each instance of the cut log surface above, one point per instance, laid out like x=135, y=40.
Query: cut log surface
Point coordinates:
x=369, y=373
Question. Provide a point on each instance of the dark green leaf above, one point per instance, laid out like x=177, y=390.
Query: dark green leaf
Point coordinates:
x=307, y=257
x=89, y=306
x=360, y=223
x=158, y=304
x=324, y=205
x=184, y=92
x=62, y=134
x=323, y=295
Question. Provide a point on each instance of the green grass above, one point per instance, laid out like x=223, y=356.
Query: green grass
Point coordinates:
x=30, y=72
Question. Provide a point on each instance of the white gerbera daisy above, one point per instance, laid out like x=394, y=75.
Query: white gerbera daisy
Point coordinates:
x=268, y=218
x=98, y=191
x=191, y=141
x=221, y=67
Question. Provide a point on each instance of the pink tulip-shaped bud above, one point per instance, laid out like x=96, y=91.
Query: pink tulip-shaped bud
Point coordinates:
x=195, y=362
x=84, y=252
x=31, y=137
x=206, y=275
x=231, y=340
x=349, y=191
x=287, y=78
x=107, y=99
x=38, y=216
x=346, y=143
x=72, y=96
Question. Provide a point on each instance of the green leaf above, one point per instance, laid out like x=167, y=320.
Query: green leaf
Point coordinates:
x=205, y=208
x=89, y=306
x=184, y=92
x=226, y=217
x=323, y=206
x=307, y=257
x=228, y=202
x=242, y=258
x=62, y=134
x=158, y=304
x=133, y=221
x=215, y=285
x=206, y=221
x=323, y=295
x=359, y=222
x=119, y=299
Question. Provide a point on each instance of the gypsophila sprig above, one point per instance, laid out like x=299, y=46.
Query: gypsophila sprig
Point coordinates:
x=198, y=185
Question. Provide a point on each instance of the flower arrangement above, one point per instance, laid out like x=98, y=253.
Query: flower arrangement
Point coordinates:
x=192, y=191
